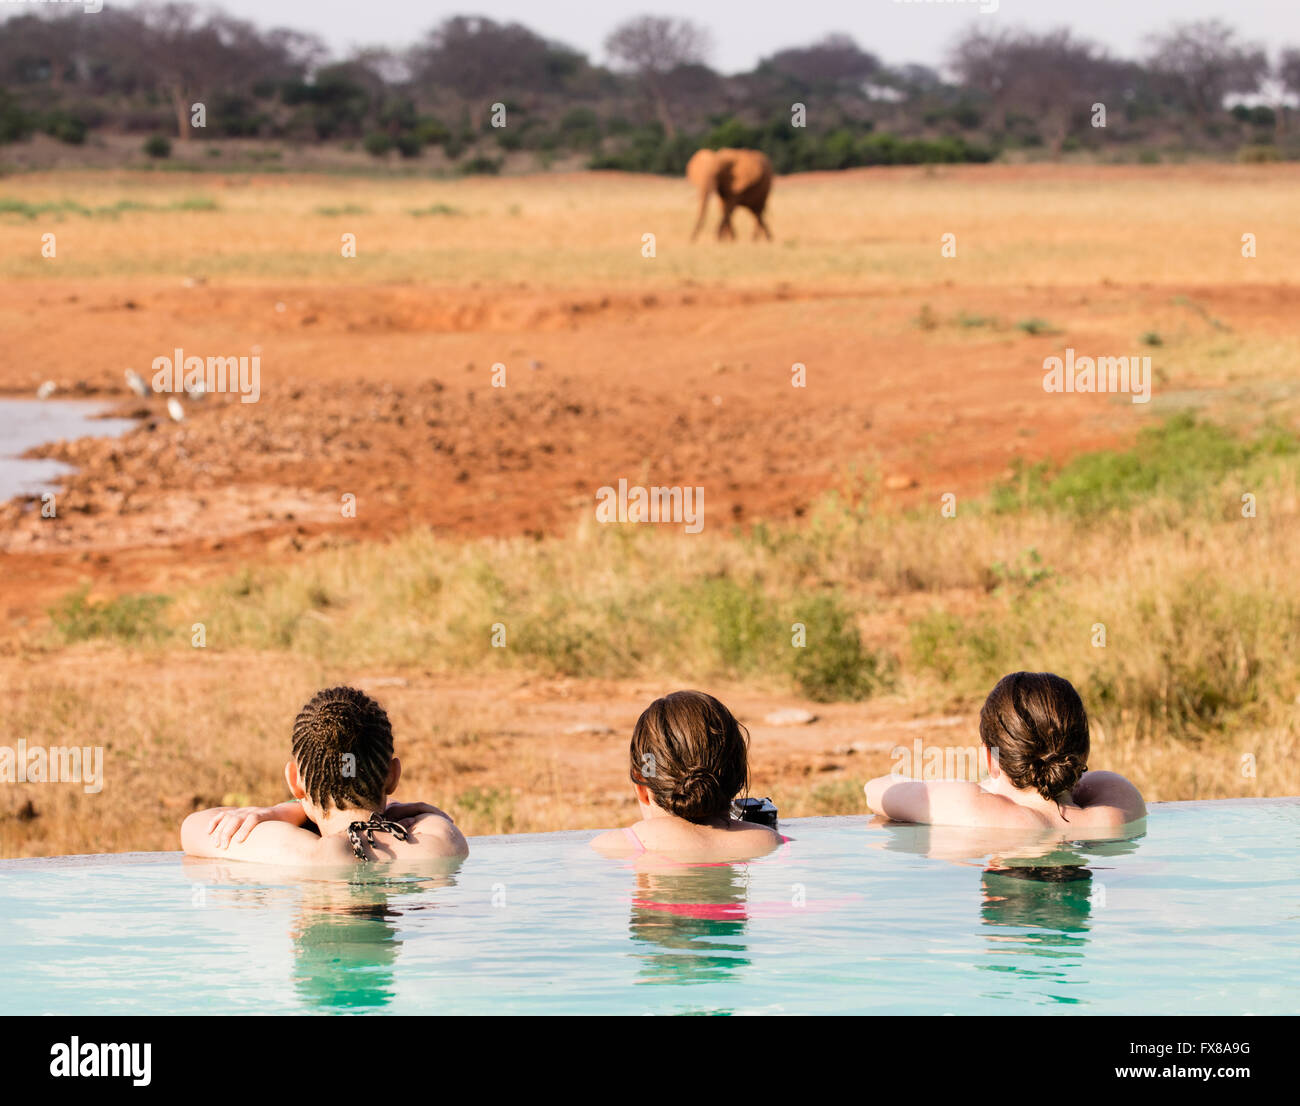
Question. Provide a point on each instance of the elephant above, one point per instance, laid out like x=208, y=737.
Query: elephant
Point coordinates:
x=741, y=178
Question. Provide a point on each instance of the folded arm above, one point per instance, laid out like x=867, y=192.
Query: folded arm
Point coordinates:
x=943, y=803
x=216, y=834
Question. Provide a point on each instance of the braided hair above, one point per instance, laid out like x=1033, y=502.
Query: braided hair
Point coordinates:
x=343, y=745
x=1036, y=723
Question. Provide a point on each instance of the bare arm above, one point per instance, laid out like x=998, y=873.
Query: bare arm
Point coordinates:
x=271, y=841
x=435, y=834
x=1101, y=791
x=943, y=803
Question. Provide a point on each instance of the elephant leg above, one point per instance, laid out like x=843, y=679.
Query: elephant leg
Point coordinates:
x=725, y=229
x=704, y=207
x=760, y=226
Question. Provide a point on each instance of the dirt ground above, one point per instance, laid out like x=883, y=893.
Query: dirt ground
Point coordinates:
x=387, y=395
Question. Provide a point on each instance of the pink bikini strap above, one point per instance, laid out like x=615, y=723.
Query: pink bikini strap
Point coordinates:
x=631, y=833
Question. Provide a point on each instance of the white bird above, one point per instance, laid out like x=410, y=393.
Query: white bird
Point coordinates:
x=136, y=383
x=175, y=409
x=46, y=390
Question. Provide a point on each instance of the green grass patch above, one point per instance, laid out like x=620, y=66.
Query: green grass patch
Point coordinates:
x=61, y=208
x=344, y=209
x=1183, y=459
x=434, y=209
x=125, y=618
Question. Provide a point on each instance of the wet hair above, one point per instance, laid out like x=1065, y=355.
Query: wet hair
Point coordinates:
x=1036, y=723
x=692, y=754
x=343, y=745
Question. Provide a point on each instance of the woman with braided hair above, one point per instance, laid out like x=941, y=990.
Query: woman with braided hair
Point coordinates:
x=1035, y=745
x=341, y=774
x=689, y=760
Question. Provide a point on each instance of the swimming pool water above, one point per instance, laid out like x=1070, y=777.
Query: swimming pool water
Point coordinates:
x=1198, y=915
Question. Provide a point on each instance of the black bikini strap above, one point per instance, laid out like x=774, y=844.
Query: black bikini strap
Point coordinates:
x=357, y=830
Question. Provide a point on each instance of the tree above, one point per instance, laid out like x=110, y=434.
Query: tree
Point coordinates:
x=653, y=46
x=836, y=59
x=191, y=56
x=1052, y=77
x=1201, y=63
x=479, y=58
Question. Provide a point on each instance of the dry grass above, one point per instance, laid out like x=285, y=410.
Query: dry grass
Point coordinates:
x=1015, y=225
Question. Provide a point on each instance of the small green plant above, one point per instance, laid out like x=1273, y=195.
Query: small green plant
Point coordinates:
x=1026, y=571
x=1036, y=327
x=158, y=146
x=1151, y=338
x=127, y=618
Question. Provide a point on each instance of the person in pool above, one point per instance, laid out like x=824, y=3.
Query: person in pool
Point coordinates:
x=1034, y=733
x=341, y=774
x=689, y=760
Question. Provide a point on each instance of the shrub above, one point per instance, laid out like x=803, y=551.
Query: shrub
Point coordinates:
x=377, y=143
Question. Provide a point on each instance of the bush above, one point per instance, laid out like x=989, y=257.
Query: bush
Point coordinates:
x=15, y=123
x=408, y=144
x=377, y=143
x=431, y=131
x=833, y=664
x=158, y=145
x=482, y=165
x=66, y=128
x=1257, y=155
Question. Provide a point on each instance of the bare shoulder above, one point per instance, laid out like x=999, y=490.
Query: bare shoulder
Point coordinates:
x=612, y=843
x=755, y=840
x=1001, y=812
x=1107, y=796
x=437, y=835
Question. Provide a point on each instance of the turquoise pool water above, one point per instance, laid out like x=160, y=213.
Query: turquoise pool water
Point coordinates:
x=1198, y=915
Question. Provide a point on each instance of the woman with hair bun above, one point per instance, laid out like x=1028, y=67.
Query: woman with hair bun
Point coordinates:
x=1035, y=744
x=689, y=760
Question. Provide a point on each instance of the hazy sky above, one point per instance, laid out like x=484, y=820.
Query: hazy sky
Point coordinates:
x=917, y=30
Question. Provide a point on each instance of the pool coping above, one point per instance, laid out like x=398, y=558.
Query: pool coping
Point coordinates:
x=93, y=860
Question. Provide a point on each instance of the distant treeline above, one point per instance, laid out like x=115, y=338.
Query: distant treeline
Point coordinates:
x=828, y=105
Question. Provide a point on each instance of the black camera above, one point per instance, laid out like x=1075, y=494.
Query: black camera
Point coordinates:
x=762, y=811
